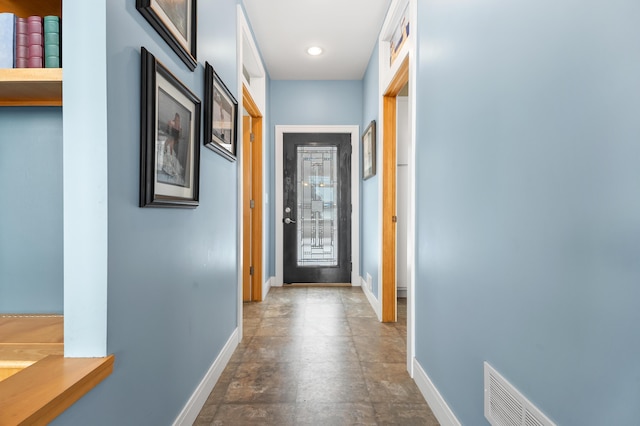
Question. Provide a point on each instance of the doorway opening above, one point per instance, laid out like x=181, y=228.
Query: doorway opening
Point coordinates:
x=389, y=192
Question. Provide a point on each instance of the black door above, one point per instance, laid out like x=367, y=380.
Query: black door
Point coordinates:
x=317, y=207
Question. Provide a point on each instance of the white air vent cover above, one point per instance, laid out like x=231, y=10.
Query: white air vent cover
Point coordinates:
x=505, y=406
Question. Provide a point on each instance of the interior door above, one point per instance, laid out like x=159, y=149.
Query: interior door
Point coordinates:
x=317, y=207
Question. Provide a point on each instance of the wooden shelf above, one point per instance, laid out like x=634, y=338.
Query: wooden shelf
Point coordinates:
x=31, y=87
x=25, y=8
x=37, y=382
x=39, y=393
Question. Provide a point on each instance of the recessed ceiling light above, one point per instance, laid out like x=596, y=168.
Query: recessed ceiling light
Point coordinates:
x=314, y=50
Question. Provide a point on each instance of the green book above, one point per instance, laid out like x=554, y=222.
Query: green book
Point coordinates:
x=51, y=26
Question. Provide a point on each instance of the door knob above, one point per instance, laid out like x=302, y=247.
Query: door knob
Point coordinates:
x=288, y=221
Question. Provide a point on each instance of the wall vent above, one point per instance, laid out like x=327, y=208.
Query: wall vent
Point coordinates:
x=504, y=405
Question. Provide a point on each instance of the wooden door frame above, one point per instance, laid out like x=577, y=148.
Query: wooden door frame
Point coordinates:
x=247, y=194
x=252, y=218
x=389, y=214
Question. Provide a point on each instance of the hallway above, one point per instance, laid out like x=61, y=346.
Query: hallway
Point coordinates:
x=317, y=356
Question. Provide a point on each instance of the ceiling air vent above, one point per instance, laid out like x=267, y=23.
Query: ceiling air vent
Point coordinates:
x=505, y=406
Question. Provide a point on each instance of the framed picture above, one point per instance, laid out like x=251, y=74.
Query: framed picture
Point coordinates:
x=175, y=21
x=369, y=151
x=169, y=138
x=220, y=115
x=400, y=35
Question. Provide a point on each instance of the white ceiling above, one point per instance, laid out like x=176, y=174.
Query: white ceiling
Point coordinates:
x=347, y=31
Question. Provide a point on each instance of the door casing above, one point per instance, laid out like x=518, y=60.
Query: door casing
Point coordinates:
x=355, y=193
x=389, y=214
x=252, y=217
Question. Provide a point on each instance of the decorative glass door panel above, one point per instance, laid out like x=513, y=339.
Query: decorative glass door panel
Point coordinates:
x=317, y=208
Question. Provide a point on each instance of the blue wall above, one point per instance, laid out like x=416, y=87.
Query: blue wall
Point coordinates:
x=528, y=205
x=327, y=102
x=172, y=274
x=370, y=228
x=31, y=225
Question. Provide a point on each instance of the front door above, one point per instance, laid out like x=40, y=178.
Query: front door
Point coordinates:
x=317, y=208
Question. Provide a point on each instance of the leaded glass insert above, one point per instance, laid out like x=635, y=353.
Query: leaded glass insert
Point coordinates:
x=317, y=224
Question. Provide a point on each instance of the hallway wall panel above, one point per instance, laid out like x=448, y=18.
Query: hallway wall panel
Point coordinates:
x=172, y=273
x=528, y=214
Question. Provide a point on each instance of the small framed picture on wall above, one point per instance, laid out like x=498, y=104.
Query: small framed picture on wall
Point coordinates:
x=369, y=151
x=220, y=115
x=169, y=138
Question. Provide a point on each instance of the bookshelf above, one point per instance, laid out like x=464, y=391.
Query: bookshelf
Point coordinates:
x=31, y=86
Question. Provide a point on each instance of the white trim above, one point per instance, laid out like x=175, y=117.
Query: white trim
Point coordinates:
x=247, y=53
x=273, y=282
x=197, y=400
x=394, y=14
x=355, y=192
x=436, y=402
x=411, y=214
x=375, y=303
x=386, y=73
x=241, y=22
x=249, y=58
x=266, y=287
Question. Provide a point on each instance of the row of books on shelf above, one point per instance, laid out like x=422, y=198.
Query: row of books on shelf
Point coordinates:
x=32, y=42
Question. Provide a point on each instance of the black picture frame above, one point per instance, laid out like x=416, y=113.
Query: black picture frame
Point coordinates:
x=369, y=151
x=221, y=134
x=169, y=138
x=176, y=22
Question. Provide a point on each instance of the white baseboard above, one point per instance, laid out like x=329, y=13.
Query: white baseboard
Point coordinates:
x=373, y=301
x=273, y=282
x=437, y=403
x=194, y=405
x=266, y=287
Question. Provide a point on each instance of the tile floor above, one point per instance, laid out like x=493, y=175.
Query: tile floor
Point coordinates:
x=317, y=356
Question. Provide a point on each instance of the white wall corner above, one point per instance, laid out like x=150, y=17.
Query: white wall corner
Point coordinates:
x=438, y=405
x=194, y=405
x=85, y=178
x=373, y=301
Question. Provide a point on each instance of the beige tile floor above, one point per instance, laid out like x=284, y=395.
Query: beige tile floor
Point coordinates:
x=317, y=356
